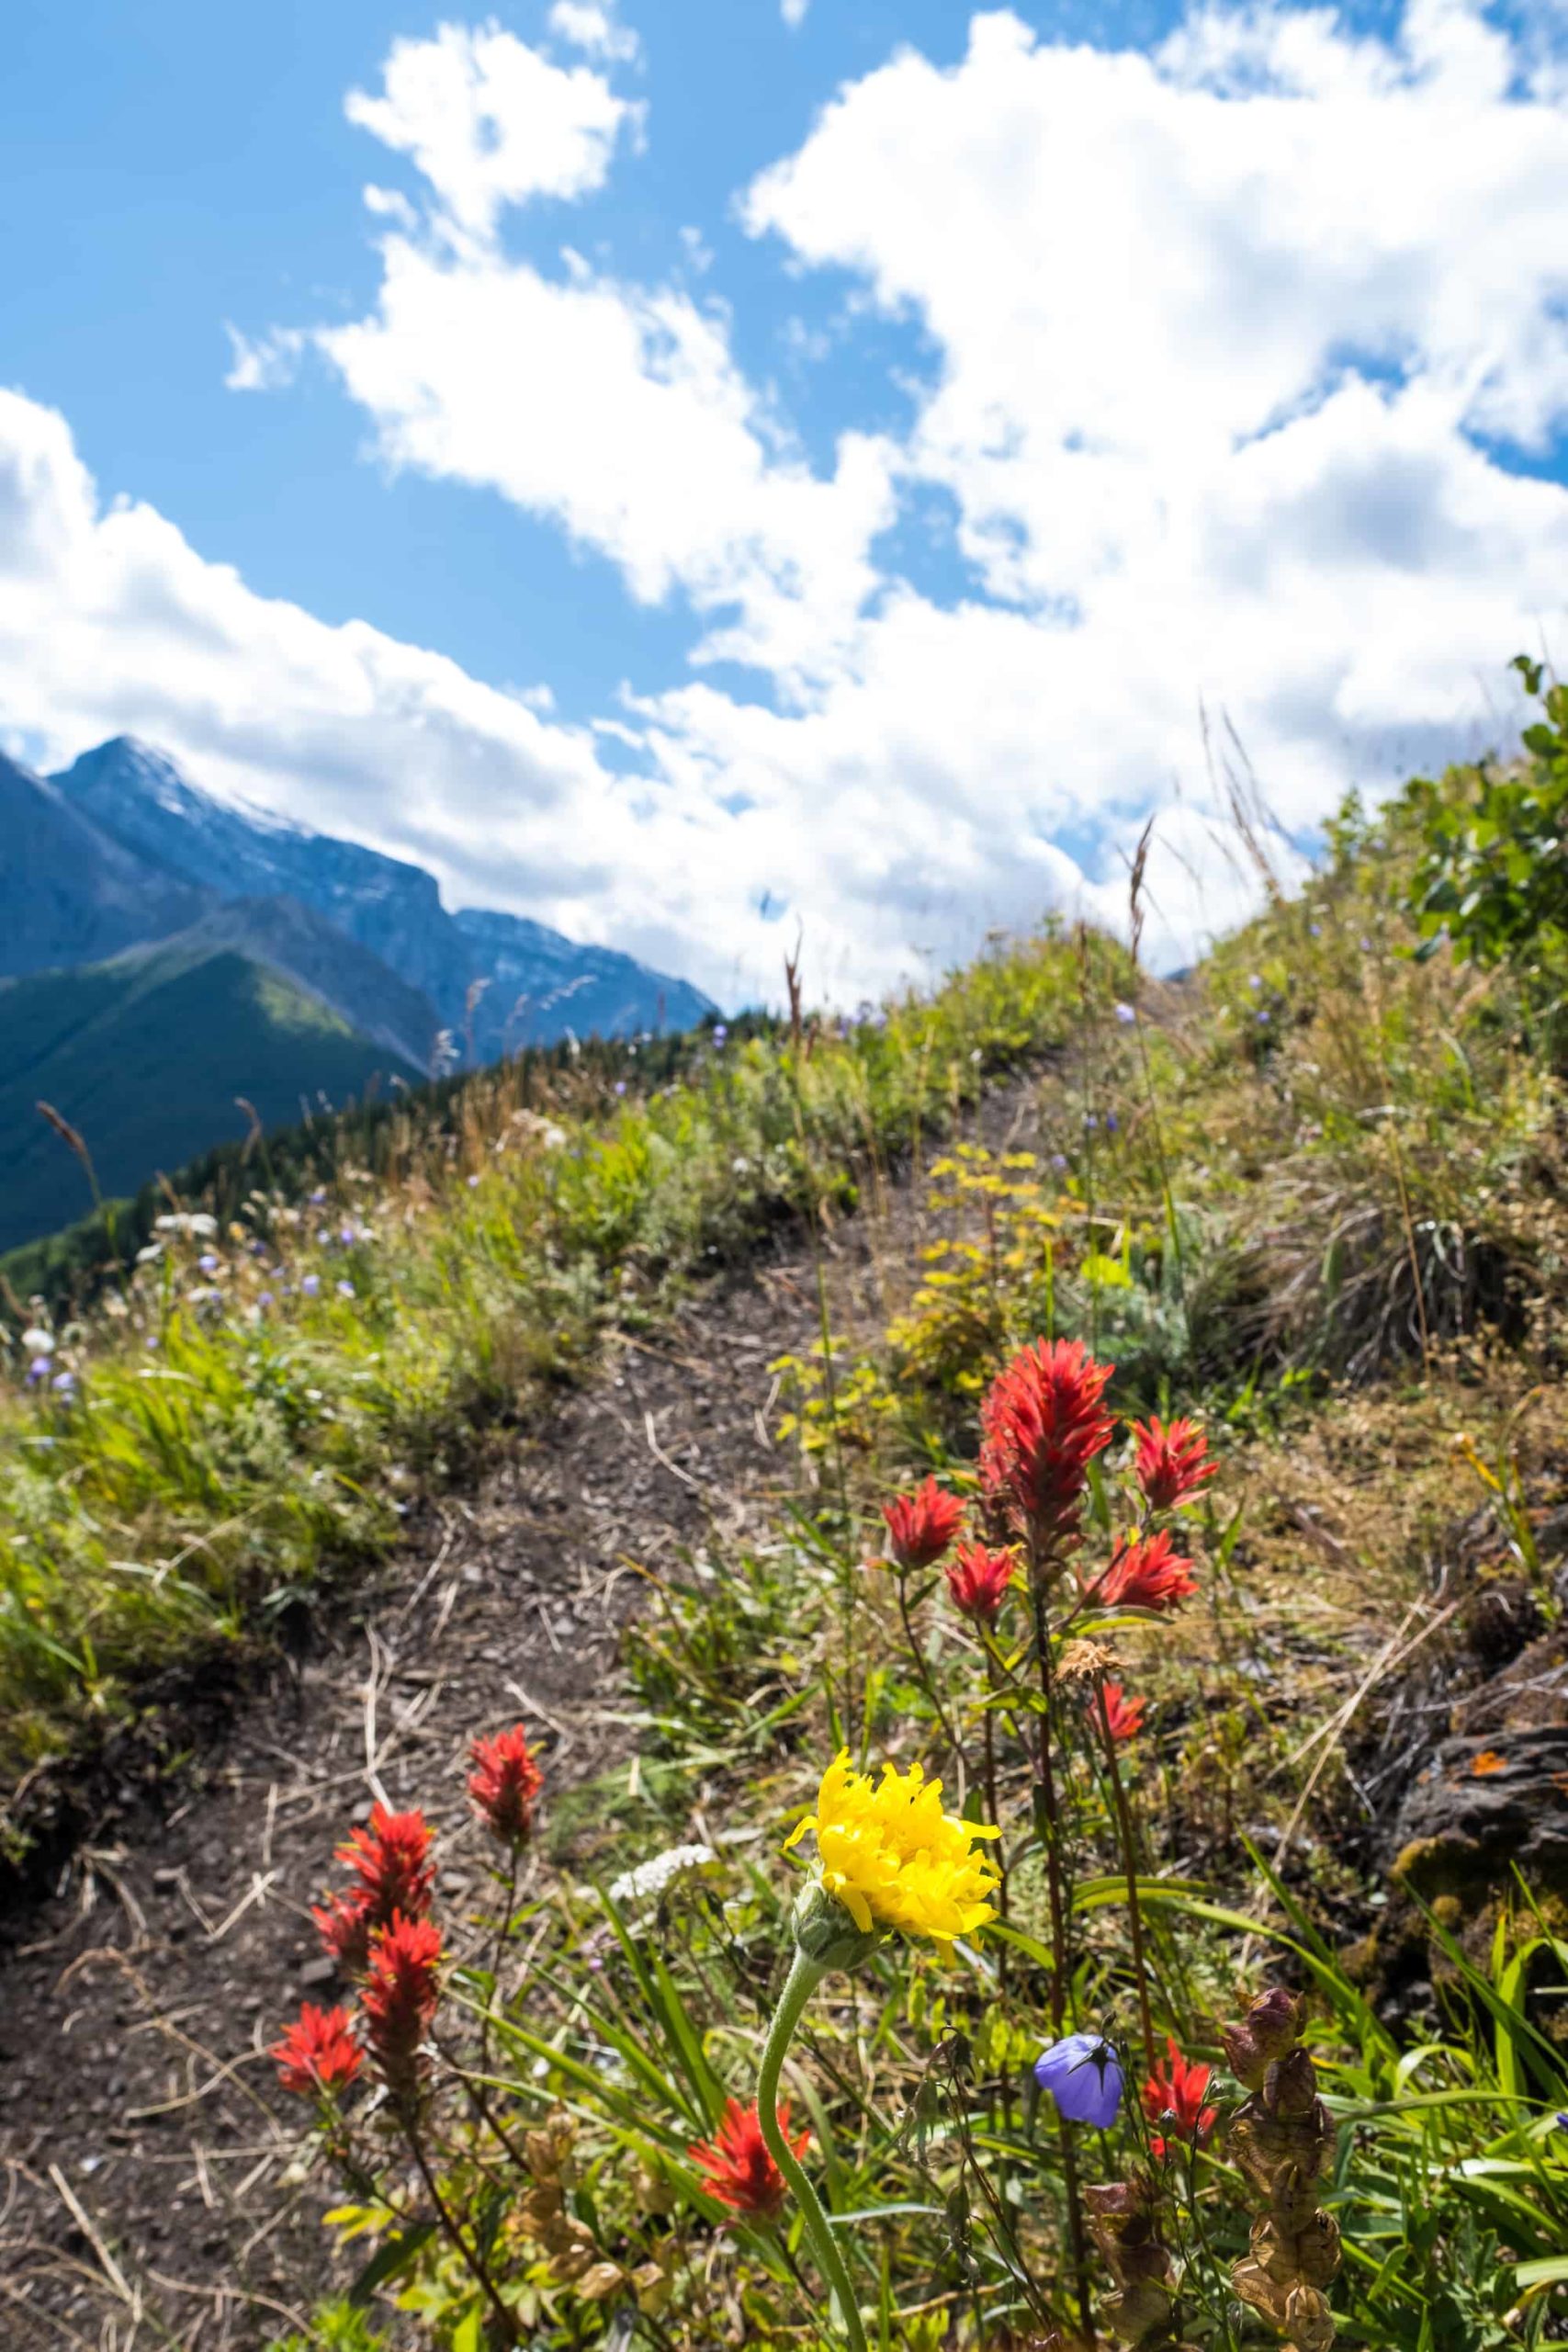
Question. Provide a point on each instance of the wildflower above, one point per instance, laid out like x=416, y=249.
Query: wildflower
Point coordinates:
x=658, y=1871
x=37, y=1341
x=391, y=1864
x=391, y=1861
x=1144, y=1574
x=1111, y=1122
x=207, y=1263
x=64, y=1384
x=1254, y=980
x=311, y=1286
x=401, y=1994
x=741, y=2172
x=1171, y=1463
x=346, y=1290
x=505, y=1780
x=1316, y=929
x=348, y=1235
x=265, y=1300
x=1124, y=1717
x=620, y=1086
x=344, y=1930
x=1042, y=1424
x=892, y=1859
x=319, y=2052
x=921, y=1525
x=318, y=1197
x=473, y=1183
x=1125, y=1014
x=1083, y=2074
x=38, y=1372
x=719, y=1033
x=977, y=1580
x=1174, y=2096
x=1058, y=1161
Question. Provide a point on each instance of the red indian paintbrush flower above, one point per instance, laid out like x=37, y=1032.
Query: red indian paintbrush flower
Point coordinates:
x=505, y=1780
x=1041, y=1425
x=401, y=1994
x=319, y=2052
x=1171, y=1465
x=921, y=1525
x=741, y=2172
x=1124, y=1717
x=392, y=1863
x=1174, y=2096
x=977, y=1580
x=1144, y=1574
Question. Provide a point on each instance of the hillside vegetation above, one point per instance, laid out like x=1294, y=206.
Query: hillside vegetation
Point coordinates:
x=1218, y=1995
x=95, y=1044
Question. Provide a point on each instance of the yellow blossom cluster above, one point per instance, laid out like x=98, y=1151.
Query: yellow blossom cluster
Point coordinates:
x=894, y=1859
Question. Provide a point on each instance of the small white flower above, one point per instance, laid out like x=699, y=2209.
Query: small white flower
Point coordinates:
x=192, y=1221
x=36, y=1341
x=661, y=1870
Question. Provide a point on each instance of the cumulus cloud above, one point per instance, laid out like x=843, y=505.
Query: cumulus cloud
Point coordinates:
x=594, y=29
x=111, y=622
x=1244, y=352
x=490, y=122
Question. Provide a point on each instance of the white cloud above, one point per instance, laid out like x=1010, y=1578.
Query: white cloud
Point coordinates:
x=490, y=122
x=264, y=363
x=794, y=12
x=111, y=622
x=594, y=29
x=620, y=413
x=1220, y=337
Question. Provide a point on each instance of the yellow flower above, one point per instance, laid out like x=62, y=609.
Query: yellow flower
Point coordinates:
x=894, y=1859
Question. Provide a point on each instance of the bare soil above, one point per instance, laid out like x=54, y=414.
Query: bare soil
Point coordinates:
x=152, y=2195
x=147, y=2144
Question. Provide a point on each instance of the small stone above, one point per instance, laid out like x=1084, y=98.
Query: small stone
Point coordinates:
x=319, y=1972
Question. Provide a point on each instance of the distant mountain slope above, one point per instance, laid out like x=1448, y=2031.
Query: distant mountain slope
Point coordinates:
x=304, y=946
x=540, y=984
x=146, y=1053
x=70, y=893
x=139, y=797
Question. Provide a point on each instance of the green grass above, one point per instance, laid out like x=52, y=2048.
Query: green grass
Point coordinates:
x=1335, y=1231
x=232, y=1435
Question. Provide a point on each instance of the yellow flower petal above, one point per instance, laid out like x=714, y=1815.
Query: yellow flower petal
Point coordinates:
x=894, y=1859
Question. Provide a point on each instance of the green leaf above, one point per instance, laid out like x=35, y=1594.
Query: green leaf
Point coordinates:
x=396, y=2257
x=1550, y=2269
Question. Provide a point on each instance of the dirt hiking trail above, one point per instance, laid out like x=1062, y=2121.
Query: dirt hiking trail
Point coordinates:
x=150, y=2196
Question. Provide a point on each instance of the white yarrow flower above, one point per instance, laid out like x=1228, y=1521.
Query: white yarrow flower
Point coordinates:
x=651, y=1878
x=36, y=1341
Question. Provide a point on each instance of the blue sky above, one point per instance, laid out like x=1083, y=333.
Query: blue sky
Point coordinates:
x=743, y=471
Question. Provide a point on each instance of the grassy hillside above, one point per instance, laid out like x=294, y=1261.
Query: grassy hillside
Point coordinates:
x=145, y=1055
x=1310, y=1753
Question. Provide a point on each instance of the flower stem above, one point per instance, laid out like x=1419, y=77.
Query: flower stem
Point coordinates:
x=803, y=1977
x=505, y=2319
x=926, y=1679
x=1130, y=1864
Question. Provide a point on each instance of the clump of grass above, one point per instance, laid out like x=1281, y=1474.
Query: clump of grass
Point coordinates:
x=265, y=1396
